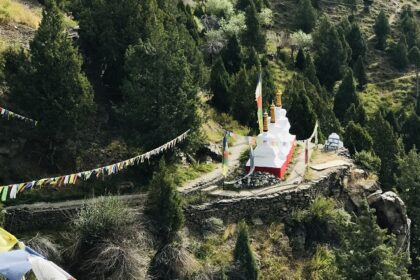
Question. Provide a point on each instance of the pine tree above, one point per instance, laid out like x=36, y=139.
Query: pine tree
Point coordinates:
x=367, y=4
x=254, y=35
x=219, y=84
x=268, y=84
x=107, y=28
x=301, y=113
x=253, y=59
x=411, y=130
x=305, y=16
x=300, y=60
x=50, y=84
x=414, y=56
x=330, y=54
x=367, y=252
x=310, y=71
x=385, y=145
x=164, y=204
x=356, y=114
x=409, y=26
x=400, y=54
x=232, y=55
x=357, y=139
x=382, y=30
x=160, y=91
x=346, y=95
x=244, y=109
x=356, y=42
x=243, y=255
x=360, y=73
x=408, y=184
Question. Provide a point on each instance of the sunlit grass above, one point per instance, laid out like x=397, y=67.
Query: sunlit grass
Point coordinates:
x=12, y=11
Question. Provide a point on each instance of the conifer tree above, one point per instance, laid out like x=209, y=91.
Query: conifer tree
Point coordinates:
x=232, y=55
x=310, y=71
x=360, y=73
x=253, y=59
x=409, y=26
x=219, y=84
x=160, y=91
x=254, y=35
x=50, y=84
x=367, y=252
x=305, y=16
x=410, y=131
x=244, y=109
x=346, y=95
x=330, y=54
x=300, y=60
x=268, y=84
x=243, y=255
x=408, y=184
x=367, y=4
x=357, y=139
x=382, y=30
x=164, y=204
x=400, y=54
x=301, y=113
x=107, y=28
x=356, y=114
x=385, y=145
x=414, y=56
x=356, y=42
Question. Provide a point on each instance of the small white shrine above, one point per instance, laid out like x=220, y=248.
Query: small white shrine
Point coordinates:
x=275, y=146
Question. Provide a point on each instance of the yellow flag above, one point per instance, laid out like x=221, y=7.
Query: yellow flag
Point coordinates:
x=7, y=240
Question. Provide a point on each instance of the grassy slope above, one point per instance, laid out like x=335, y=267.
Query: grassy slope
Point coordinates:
x=386, y=84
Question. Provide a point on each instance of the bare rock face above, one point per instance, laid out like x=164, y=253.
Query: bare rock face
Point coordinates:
x=390, y=209
x=392, y=214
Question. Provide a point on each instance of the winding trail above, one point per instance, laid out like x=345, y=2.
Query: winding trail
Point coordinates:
x=216, y=175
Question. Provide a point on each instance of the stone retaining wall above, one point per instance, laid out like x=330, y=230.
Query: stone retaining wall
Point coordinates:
x=279, y=205
x=28, y=217
x=58, y=215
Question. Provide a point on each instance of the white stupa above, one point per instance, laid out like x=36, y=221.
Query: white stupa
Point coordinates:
x=275, y=145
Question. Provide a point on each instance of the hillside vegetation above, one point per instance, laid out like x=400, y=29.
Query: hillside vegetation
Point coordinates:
x=139, y=73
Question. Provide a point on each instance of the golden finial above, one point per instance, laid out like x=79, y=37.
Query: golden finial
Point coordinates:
x=272, y=113
x=265, y=122
x=278, y=98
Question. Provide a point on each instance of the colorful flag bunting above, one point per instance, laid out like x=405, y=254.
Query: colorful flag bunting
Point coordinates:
x=72, y=179
x=10, y=115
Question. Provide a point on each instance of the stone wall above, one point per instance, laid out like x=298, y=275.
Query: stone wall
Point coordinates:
x=278, y=205
x=29, y=217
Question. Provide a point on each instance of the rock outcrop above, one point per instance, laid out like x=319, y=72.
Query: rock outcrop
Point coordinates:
x=390, y=209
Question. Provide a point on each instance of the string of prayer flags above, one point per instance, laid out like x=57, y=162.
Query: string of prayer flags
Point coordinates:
x=13, y=190
x=10, y=115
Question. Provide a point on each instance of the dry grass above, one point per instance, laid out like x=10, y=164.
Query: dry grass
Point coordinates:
x=15, y=12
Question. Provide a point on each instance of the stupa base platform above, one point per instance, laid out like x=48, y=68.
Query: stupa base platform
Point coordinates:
x=279, y=172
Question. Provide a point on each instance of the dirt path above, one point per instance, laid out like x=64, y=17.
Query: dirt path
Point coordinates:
x=216, y=175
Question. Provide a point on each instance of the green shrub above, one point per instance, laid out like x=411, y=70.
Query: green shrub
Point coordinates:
x=102, y=219
x=106, y=243
x=368, y=160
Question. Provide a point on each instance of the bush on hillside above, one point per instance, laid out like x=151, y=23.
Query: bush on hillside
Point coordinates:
x=106, y=242
x=368, y=160
x=46, y=246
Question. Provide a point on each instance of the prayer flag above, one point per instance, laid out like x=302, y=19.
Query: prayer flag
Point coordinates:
x=7, y=240
x=225, y=162
x=258, y=99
